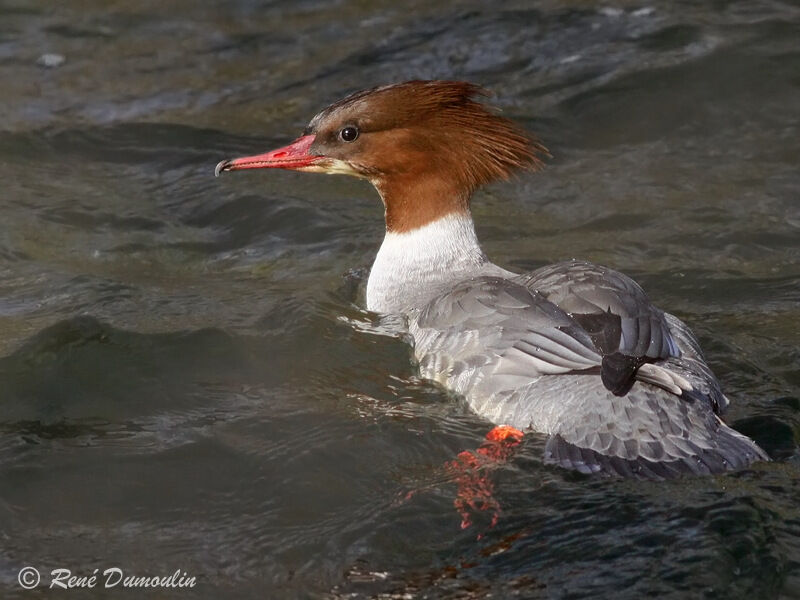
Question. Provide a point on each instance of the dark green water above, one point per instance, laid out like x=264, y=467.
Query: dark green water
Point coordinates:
x=185, y=379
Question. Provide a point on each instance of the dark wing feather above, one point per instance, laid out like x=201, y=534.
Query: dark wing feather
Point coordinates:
x=623, y=324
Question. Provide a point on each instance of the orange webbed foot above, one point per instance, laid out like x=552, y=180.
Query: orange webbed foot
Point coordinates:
x=475, y=488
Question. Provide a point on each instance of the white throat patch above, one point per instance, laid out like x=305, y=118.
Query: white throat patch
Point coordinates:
x=412, y=265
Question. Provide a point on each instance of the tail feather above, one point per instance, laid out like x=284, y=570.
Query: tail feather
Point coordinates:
x=731, y=451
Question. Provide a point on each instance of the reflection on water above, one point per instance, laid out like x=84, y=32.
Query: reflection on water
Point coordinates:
x=187, y=380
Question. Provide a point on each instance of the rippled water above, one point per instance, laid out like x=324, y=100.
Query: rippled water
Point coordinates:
x=187, y=380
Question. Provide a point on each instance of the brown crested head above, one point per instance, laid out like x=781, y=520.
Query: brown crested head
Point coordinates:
x=425, y=145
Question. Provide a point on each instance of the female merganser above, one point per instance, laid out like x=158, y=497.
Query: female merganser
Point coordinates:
x=573, y=350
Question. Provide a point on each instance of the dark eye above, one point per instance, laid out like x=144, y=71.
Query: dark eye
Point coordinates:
x=349, y=134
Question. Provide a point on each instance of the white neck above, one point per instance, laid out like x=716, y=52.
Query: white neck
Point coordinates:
x=412, y=266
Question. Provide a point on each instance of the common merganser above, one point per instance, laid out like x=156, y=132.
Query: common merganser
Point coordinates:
x=573, y=350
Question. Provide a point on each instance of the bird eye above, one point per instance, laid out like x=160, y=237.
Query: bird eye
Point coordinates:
x=349, y=134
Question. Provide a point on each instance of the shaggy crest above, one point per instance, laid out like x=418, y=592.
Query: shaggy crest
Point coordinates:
x=477, y=145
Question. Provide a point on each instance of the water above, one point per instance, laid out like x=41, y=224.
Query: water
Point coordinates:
x=188, y=382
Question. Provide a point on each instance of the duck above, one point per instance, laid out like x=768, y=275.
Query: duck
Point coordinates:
x=573, y=351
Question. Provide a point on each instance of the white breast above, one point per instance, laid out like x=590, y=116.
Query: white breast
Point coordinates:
x=413, y=266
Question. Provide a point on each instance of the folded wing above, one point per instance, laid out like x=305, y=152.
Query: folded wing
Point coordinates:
x=579, y=352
